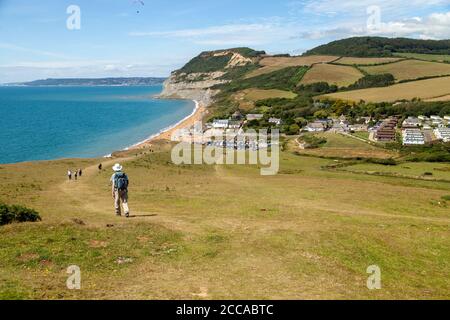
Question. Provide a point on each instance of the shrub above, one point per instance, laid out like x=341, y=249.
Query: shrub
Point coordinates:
x=5, y=215
x=313, y=142
x=384, y=162
x=15, y=213
x=446, y=198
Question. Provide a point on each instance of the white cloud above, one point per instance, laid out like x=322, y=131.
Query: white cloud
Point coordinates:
x=434, y=26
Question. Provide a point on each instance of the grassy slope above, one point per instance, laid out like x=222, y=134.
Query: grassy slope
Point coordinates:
x=424, y=89
x=225, y=232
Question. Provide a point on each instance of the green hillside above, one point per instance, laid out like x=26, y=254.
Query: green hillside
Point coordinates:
x=381, y=47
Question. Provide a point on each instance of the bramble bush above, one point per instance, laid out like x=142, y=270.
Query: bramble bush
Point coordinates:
x=15, y=213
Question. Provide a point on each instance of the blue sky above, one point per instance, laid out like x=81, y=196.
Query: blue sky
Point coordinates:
x=126, y=38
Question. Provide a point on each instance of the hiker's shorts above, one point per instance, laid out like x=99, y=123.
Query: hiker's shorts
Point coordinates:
x=121, y=196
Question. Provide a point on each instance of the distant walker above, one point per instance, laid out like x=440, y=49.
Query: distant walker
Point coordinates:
x=120, y=182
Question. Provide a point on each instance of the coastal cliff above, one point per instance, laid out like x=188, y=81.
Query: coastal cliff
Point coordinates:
x=199, y=78
x=202, y=91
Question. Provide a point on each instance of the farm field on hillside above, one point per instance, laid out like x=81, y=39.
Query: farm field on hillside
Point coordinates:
x=424, y=89
x=272, y=64
x=428, y=57
x=338, y=75
x=410, y=69
x=247, y=98
x=365, y=61
x=258, y=94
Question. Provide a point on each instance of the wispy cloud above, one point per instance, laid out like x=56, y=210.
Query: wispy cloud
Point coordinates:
x=14, y=47
x=231, y=34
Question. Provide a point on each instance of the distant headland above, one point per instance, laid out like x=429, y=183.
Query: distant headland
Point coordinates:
x=134, y=81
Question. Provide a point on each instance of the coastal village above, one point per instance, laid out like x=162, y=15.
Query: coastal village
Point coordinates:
x=410, y=131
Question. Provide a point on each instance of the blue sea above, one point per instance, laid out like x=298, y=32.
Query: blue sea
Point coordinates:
x=43, y=123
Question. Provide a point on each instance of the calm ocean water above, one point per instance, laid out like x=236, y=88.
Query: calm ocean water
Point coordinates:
x=41, y=123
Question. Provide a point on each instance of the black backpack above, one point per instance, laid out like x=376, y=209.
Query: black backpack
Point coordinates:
x=121, y=181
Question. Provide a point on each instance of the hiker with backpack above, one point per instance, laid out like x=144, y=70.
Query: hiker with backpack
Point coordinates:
x=120, y=182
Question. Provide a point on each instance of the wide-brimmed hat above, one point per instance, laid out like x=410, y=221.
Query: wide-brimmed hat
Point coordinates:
x=117, y=167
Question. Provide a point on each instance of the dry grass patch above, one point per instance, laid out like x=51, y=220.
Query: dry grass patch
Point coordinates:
x=366, y=61
x=338, y=75
x=424, y=89
x=411, y=69
x=272, y=64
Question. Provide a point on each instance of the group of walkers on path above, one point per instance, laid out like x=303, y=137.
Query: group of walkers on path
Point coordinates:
x=119, y=187
x=75, y=174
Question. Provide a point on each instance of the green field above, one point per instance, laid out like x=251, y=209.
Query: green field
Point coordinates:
x=363, y=135
x=258, y=94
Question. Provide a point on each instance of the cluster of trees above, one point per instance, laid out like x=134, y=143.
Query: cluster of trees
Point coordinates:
x=381, y=47
x=372, y=81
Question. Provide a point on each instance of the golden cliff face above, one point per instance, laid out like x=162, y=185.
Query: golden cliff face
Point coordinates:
x=199, y=85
